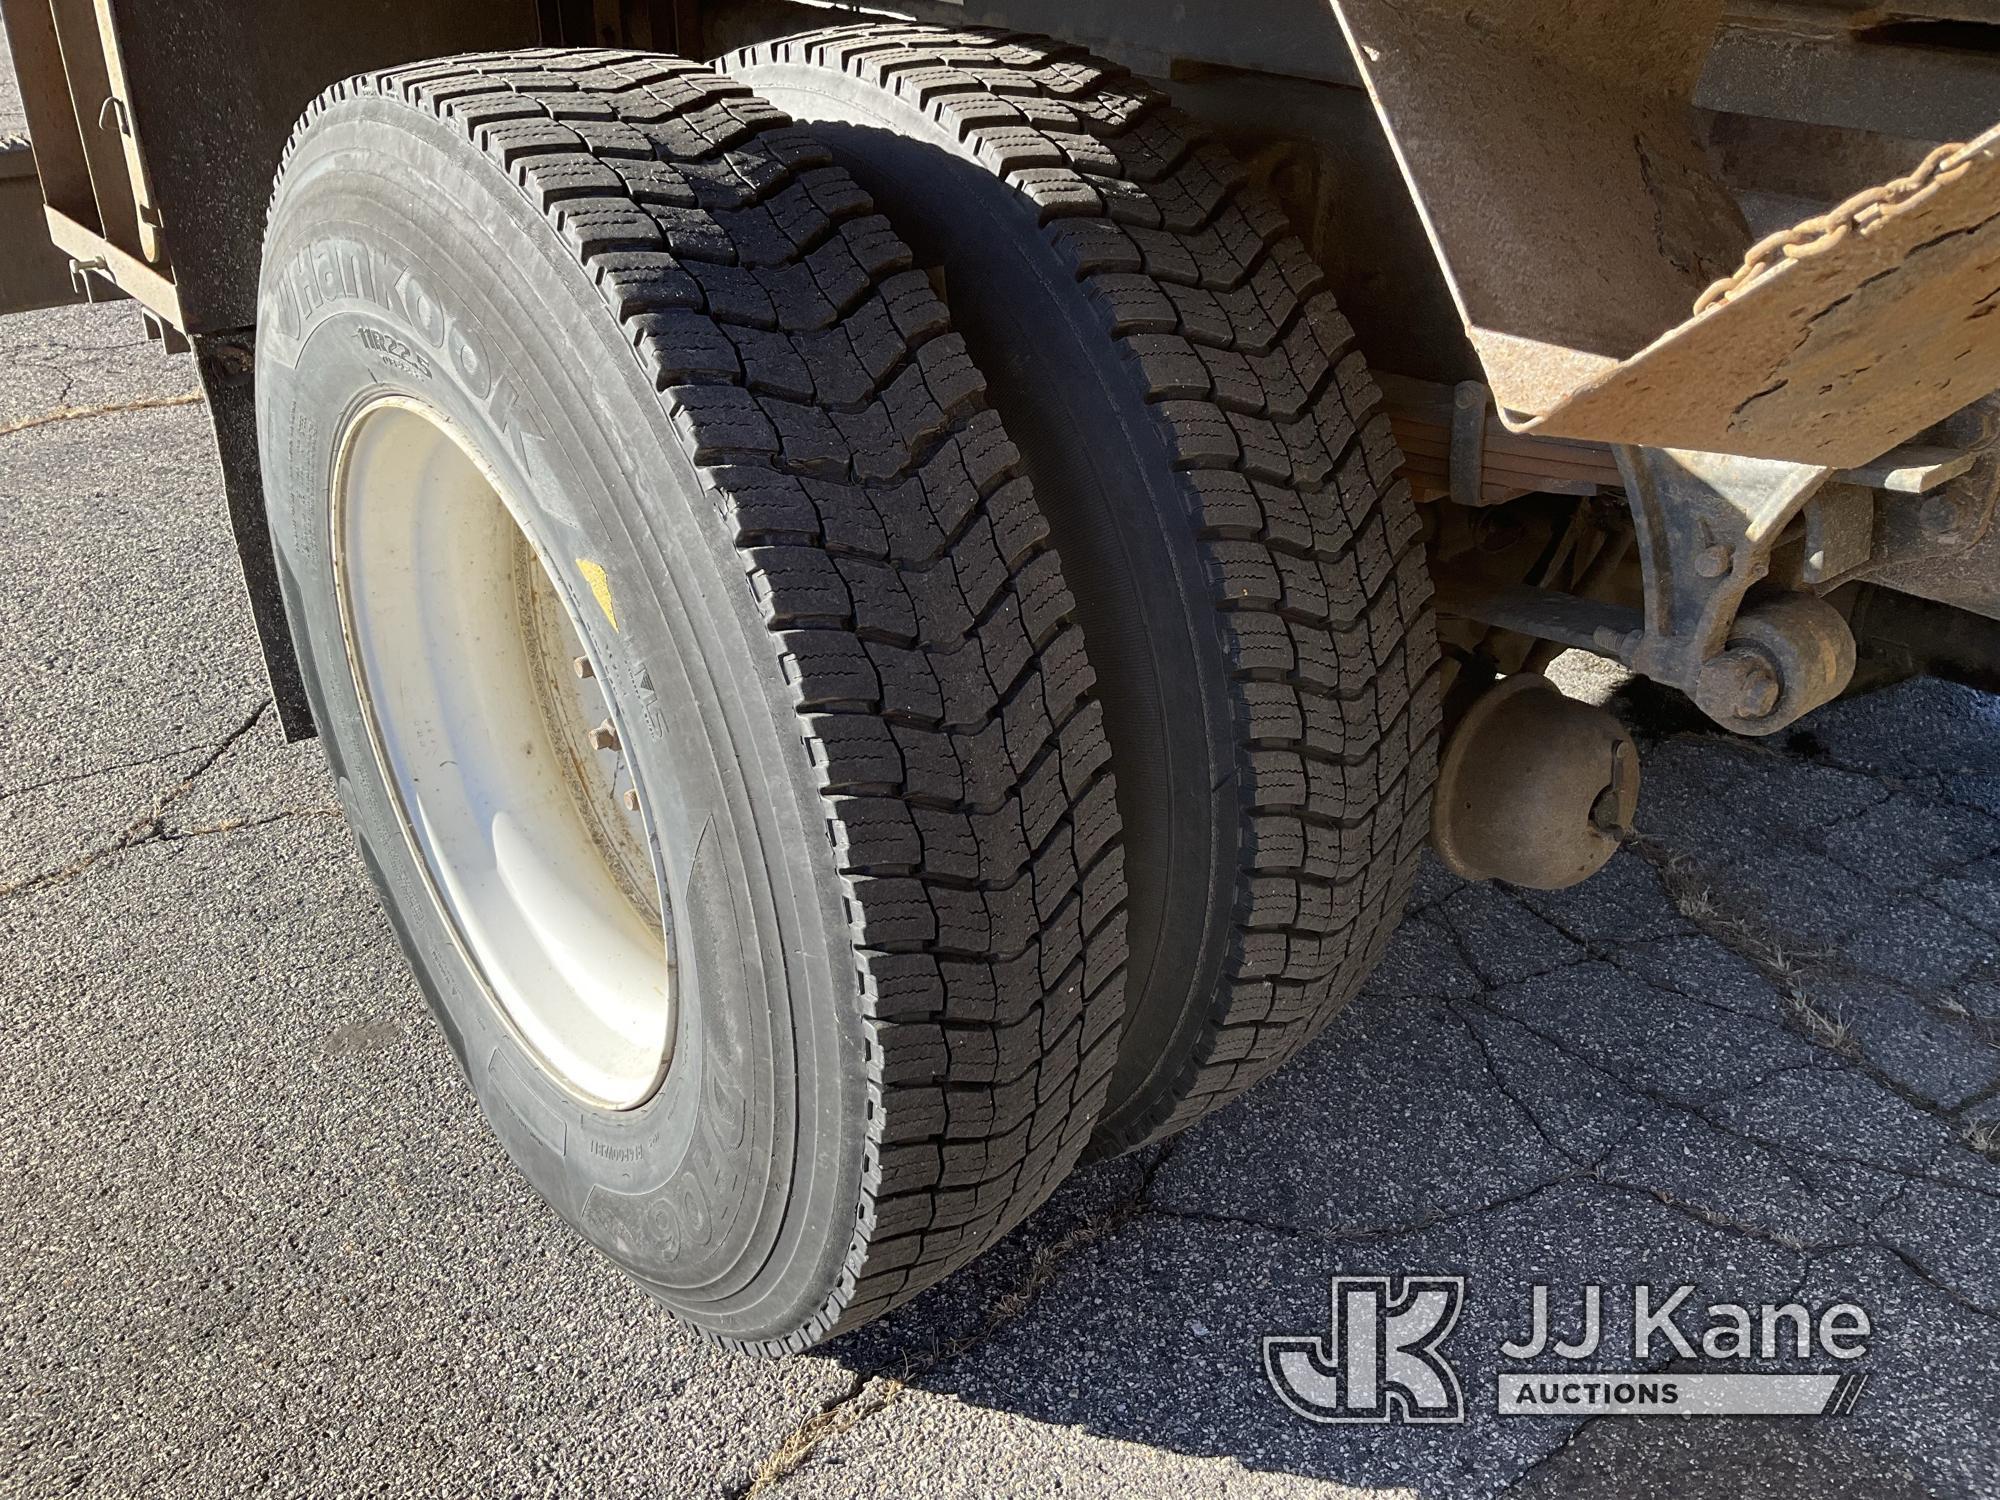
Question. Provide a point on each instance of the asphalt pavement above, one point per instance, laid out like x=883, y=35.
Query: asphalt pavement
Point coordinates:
x=254, y=1237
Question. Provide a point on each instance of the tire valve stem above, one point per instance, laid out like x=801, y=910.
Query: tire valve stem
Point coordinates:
x=604, y=737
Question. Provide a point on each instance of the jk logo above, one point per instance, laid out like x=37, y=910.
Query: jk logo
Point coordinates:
x=1380, y=1361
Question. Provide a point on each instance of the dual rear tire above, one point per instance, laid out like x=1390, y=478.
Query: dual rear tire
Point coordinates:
x=1221, y=485
x=752, y=745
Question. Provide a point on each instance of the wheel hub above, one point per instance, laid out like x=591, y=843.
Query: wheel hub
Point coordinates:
x=499, y=737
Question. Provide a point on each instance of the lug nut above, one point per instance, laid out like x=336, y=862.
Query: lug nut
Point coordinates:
x=1760, y=690
x=604, y=737
x=582, y=667
x=631, y=799
x=1713, y=562
x=1943, y=518
x=1738, y=685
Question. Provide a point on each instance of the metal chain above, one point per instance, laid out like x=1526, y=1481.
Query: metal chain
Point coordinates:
x=1817, y=236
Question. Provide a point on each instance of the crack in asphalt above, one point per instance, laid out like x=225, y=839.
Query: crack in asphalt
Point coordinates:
x=1531, y=1111
x=151, y=825
x=1789, y=966
x=1786, y=965
x=1974, y=1101
x=1500, y=1082
x=44, y=354
x=1931, y=785
x=91, y=775
x=1700, y=1110
x=1370, y=1234
x=1569, y=1441
x=1782, y=962
x=234, y=825
x=1774, y=958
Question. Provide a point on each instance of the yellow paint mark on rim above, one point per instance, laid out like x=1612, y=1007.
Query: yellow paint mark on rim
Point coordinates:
x=600, y=588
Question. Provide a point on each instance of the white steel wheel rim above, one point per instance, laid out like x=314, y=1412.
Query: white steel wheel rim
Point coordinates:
x=503, y=753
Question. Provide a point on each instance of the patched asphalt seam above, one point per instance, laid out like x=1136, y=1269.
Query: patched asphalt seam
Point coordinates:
x=106, y=409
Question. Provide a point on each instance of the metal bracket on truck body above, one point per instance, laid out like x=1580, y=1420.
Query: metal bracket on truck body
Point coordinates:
x=158, y=126
x=1579, y=264
x=33, y=272
x=1706, y=526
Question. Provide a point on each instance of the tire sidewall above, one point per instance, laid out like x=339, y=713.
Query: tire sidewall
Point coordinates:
x=401, y=262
